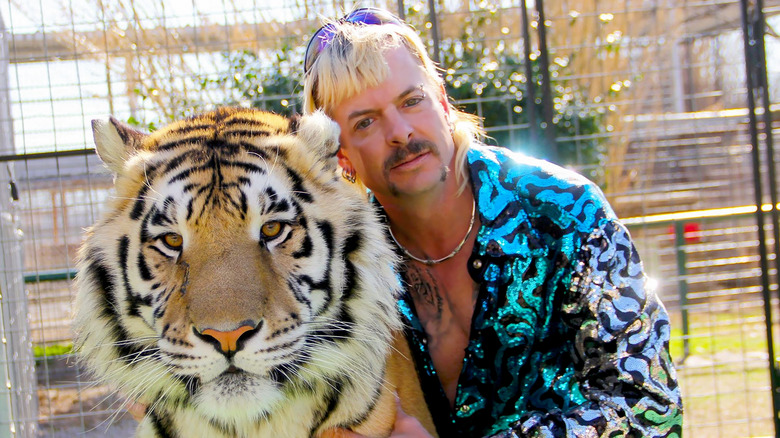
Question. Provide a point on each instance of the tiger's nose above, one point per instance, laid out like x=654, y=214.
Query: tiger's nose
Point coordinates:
x=228, y=341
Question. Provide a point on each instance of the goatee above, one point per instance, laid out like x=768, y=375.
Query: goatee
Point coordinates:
x=444, y=172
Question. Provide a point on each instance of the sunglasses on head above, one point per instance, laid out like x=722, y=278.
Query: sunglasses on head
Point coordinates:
x=324, y=35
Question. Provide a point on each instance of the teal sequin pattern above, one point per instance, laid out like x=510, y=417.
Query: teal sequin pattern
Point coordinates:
x=565, y=340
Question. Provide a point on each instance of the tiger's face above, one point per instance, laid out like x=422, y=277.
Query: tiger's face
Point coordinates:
x=234, y=274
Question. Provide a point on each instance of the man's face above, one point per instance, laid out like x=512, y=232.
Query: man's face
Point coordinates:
x=396, y=135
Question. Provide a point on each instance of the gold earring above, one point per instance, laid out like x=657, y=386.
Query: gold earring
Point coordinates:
x=349, y=175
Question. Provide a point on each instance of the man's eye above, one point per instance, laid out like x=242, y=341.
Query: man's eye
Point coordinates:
x=363, y=124
x=412, y=101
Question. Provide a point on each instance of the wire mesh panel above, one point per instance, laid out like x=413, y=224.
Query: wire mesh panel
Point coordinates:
x=669, y=79
x=719, y=329
x=647, y=98
x=18, y=407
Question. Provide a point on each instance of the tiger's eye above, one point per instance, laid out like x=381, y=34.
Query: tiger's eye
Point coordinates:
x=271, y=229
x=173, y=240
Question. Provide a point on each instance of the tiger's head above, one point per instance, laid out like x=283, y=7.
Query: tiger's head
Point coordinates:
x=234, y=273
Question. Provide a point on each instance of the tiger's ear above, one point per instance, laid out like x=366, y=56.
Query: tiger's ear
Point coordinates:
x=319, y=134
x=115, y=142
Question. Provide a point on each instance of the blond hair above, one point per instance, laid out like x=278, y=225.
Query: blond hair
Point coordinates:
x=354, y=60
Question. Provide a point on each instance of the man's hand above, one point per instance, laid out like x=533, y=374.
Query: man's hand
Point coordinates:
x=136, y=409
x=406, y=426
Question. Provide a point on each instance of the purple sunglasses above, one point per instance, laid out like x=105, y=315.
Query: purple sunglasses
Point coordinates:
x=324, y=35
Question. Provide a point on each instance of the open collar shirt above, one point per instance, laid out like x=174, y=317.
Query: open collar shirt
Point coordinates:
x=566, y=340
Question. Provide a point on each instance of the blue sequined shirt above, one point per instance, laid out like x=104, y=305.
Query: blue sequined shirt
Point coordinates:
x=565, y=338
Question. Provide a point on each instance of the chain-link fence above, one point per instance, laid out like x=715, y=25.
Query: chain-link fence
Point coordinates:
x=651, y=99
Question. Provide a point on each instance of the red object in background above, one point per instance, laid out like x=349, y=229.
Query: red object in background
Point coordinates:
x=691, y=232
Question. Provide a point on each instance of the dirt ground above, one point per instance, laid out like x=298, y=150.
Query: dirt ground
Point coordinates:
x=70, y=406
x=86, y=413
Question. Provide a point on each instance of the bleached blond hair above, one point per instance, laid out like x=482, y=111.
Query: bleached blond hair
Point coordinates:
x=354, y=60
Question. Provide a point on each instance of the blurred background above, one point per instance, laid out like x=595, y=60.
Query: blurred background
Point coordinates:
x=666, y=104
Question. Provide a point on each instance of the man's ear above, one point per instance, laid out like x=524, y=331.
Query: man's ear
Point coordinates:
x=443, y=101
x=343, y=159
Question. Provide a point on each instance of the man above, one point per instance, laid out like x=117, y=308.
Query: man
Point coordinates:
x=525, y=302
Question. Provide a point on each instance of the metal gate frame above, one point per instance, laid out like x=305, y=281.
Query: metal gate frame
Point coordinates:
x=753, y=34
x=18, y=403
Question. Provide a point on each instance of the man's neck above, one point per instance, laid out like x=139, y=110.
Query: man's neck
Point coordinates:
x=433, y=224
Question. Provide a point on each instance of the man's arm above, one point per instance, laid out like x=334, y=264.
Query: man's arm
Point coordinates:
x=406, y=426
x=621, y=349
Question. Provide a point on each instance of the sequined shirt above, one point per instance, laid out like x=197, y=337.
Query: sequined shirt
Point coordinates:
x=565, y=340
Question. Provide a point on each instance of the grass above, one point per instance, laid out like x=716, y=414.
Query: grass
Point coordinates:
x=726, y=402
x=46, y=351
x=725, y=378
x=723, y=332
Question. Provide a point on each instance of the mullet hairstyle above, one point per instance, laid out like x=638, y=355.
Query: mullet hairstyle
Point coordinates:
x=354, y=60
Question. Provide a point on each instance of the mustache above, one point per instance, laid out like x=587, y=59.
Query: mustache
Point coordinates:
x=414, y=147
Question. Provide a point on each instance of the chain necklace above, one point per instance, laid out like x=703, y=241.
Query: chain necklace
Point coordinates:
x=431, y=262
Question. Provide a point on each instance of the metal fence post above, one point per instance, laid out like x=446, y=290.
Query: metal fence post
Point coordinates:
x=530, y=92
x=18, y=399
x=551, y=150
x=682, y=282
x=434, y=31
x=751, y=79
x=546, y=126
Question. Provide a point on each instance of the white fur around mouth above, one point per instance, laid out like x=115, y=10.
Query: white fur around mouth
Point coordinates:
x=237, y=395
x=228, y=379
x=238, y=382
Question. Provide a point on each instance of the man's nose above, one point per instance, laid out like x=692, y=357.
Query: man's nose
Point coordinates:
x=398, y=130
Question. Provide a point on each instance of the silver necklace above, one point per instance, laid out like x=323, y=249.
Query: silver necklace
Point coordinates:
x=430, y=262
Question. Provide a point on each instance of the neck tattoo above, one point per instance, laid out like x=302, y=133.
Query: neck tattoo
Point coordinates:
x=457, y=249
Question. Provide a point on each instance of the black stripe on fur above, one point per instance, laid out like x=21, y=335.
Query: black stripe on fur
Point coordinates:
x=326, y=229
x=299, y=191
x=189, y=128
x=143, y=268
x=180, y=142
x=306, y=248
x=341, y=332
x=331, y=400
x=352, y=243
x=295, y=284
x=145, y=236
x=281, y=206
x=109, y=309
x=252, y=149
x=372, y=405
x=190, y=208
x=175, y=162
x=163, y=426
x=134, y=301
x=184, y=174
x=139, y=205
x=249, y=168
x=249, y=133
x=243, y=204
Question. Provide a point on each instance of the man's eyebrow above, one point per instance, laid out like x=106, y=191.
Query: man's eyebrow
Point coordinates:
x=410, y=90
x=403, y=94
x=359, y=113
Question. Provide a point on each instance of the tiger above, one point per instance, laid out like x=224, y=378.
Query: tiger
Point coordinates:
x=238, y=286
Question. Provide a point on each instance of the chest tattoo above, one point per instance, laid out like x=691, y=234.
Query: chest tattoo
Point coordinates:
x=424, y=289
